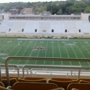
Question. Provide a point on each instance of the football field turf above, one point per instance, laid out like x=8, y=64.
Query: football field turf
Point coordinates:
x=54, y=48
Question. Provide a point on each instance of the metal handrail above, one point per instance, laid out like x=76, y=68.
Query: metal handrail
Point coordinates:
x=55, y=66
x=9, y=66
x=36, y=58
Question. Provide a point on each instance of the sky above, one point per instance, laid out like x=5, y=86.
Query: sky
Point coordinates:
x=7, y=1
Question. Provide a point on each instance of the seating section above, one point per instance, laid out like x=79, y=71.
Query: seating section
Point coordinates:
x=63, y=79
x=38, y=27
x=3, y=88
x=63, y=84
x=1, y=84
x=23, y=80
x=34, y=78
x=80, y=86
x=33, y=86
x=12, y=81
x=40, y=83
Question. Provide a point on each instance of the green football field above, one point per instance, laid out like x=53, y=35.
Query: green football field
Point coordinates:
x=58, y=48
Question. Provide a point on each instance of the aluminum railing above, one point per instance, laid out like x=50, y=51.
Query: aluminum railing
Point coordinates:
x=46, y=66
x=15, y=66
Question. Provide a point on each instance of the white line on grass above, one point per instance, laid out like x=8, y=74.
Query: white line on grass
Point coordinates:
x=12, y=51
x=17, y=51
x=46, y=50
x=38, y=52
x=59, y=48
x=31, y=51
x=81, y=52
x=3, y=46
x=67, y=53
x=59, y=51
x=73, y=52
x=75, y=55
x=24, y=51
x=52, y=53
x=87, y=51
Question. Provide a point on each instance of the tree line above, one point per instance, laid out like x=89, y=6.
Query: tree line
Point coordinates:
x=56, y=7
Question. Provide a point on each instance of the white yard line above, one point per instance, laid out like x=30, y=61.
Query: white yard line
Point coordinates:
x=81, y=53
x=52, y=52
x=34, y=46
x=2, y=46
x=12, y=51
x=28, y=46
x=24, y=51
x=87, y=51
x=45, y=52
x=59, y=48
x=67, y=54
x=75, y=54
x=38, y=53
x=17, y=51
x=59, y=51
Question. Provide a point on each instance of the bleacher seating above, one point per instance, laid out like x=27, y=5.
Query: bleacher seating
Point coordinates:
x=18, y=27
x=1, y=84
x=40, y=83
x=80, y=86
x=3, y=88
x=59, y=27
x=23, y=80
x=63, y=84
x=12, y=81
x=33, y=86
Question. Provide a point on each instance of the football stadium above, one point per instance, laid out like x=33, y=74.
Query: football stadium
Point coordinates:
x=45, y=52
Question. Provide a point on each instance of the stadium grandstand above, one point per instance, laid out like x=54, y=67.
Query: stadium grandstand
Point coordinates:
x=45, y=52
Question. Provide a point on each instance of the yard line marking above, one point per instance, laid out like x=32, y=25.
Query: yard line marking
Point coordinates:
x=12, y=51
x=52, y=53
x=31, y=51
x=24, y=52
x=3, y=46
x=73, y=52
x=66, y=51
x=87, y=51
x=38, y=52
x=81, y=53
x=75, y=55
x=17, y=50
x=68, y=54
x=60, y=52
x=46, y=50
x=34, y=46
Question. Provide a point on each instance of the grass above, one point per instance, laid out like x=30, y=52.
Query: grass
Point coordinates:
x=58, y=48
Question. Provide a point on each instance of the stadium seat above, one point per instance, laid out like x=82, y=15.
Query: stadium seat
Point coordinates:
x=1, y=84
x=24, y=80
x=83, y=81
x=80, y=86
x=58, y=89
x=62, y=79
x=33, y=86
x=3, y=88
x=34, y=78
x=62, y=84
x=4, y=77
x=12, y=81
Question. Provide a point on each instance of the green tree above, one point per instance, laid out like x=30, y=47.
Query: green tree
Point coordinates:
x=87, y=9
